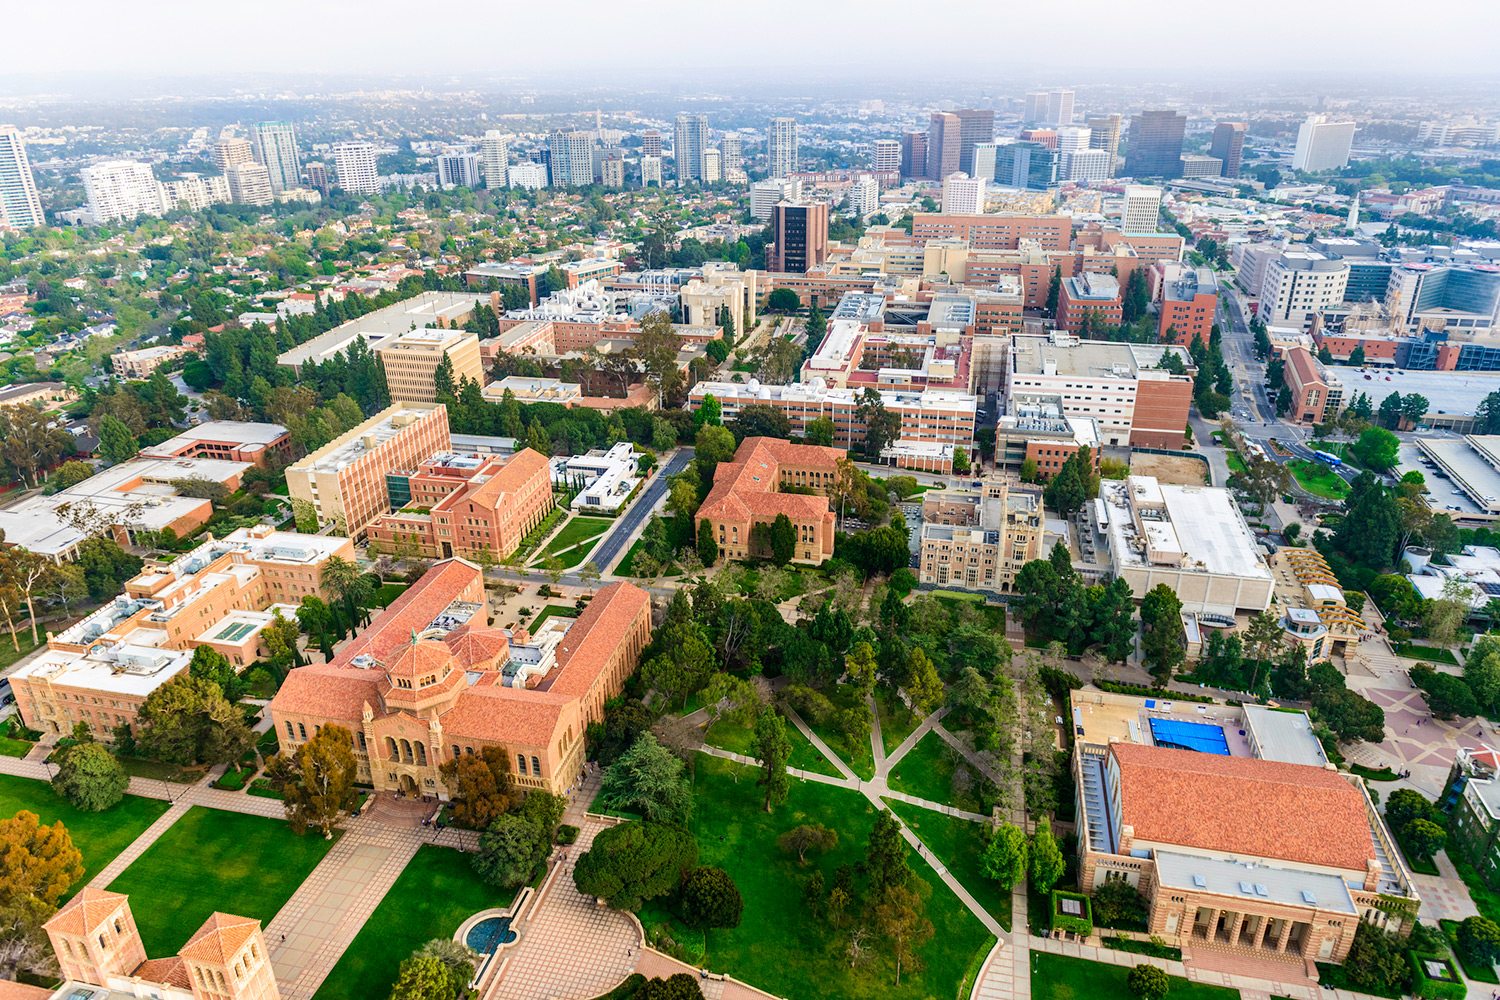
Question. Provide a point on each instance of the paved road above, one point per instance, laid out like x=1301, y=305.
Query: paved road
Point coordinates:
x=631, y=521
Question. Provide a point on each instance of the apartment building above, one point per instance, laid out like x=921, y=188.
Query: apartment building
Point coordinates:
x=222, y=594
x=344, y=482
x=20, y=206
x=747, y=496
x=1323, y=143
x=411, y=360
x=430, y=679
x=479, y=507
x=980, y=539
x=118, y=190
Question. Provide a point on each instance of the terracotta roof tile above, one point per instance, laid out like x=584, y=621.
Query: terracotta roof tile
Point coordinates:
x=85, y=911
x=220, y=938
x=166, y=971
x=593, y=638
x=21, y=991
x=511, y=479
x=479, y=645
x=748, y=486
x=414, y=610
x=1242, y=806
x=329, y=692
x=505, y=715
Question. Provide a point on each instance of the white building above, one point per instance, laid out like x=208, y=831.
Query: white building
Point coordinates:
x=963, y=195
x=528, y=175
x=713, y=166
x=121, y=189
x=781, y=147
x=20, y=206
x=985, y=155
x=1060, y=107
x=355, y=164
x=1198, y=165
x=250, y=184
x=458, y=168
x=651, y=171
x=864, y=197
x=1070, y=139
x=276, y=148
x=885, y=156
x=1299, y=284
x=572, y=158
x=764, y=195
x=494, y=157
x=1090, y=165
x=732, y=153
x=1323, y=144
x=232, y=149
x=689, y=143
x=193, y=192
x=1142, y=211
x=608, y=478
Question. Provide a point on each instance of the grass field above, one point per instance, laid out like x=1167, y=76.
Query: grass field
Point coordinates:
x=100, y=836
x=436, y=892
x=726, y=735
x=926, y=772
x=211, y=860
x=959, y=844
x=677, y=537
x=896, y=720
x=1318, y=479
x=577, y=532
x=388, y=592
x=10, y=743
x=1058, y=977
x=778, y=945
x=857, y=756
x=9, y=653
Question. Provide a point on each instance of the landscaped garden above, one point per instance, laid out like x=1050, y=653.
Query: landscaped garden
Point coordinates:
x=959, y=844
x=552, y=611
x=571, y=544
x=779, y=945
x=99, y=835
x=13, y=742
x=435, y=893
x=927, y=771
x=896, y=720
x=211, y=860
x=854, y=752
x=1058, y=977
x=1318, y=479
x=729, y=734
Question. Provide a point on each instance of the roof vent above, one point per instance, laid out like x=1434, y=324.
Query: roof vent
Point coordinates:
x=1309, y=898
x=1260, y=889
x=1200, y=881
x=1247, y=888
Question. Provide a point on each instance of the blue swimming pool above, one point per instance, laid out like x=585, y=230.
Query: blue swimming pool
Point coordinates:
x=1181, y=735
x=489, y=934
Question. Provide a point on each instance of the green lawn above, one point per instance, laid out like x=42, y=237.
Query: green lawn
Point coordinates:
x=1234, y=461
x=959, y=845
x=677, y=538
x=1478, y=973
x=1318, y=479
x=926, y=772
x=388, y=592
x=211, y=860
x=896, y=720
x=10, y=743
x=436, y=892
x=858, y=756
x=578, y=531
x=726, y=735
x=778, y=945
x=9, y=653
x=553, y=611
x=1058, y=977
x=100, y=836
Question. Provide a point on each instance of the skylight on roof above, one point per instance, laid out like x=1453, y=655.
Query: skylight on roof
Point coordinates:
x=1200, y=881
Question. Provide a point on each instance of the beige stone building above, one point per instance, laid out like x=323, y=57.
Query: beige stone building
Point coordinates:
x=980, y=539
x=141, y=363
x=1311, y=604
x=1230, y=821
x=99, y=952
x=344, y=482
x=46, y=395
x=411, y=359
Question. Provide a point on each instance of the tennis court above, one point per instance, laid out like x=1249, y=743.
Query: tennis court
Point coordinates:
x=1181, y=735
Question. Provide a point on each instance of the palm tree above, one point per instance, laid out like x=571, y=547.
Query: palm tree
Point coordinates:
x=344, y=584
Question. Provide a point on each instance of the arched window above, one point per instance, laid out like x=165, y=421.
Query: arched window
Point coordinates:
x=390, y=746
x=521, y=763
x=422, y=754
x=289, y=733
x=406, y=751
x=536, y=768
x=301, y=730
x=455, y=751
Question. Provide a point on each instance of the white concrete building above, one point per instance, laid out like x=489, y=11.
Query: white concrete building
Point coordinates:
x=607, y=478
x=1323, y=144
x=864, y=197
x=1089, y=165
x=458, y=168
x=689, y=143
x=355, y=164
x=963, y=195
x=1142, y=210
x=572, y=158
x=20, y=206
x=713, y=166
x=193, y=193
x=651, y=171
x=276, y=148
x=781, y=147
x=121, y=189
x=766, y=194
x=232, y=149
x=494, y=158
x=1299, y=284
x=529, y=176
x=250, y=184
x=885, y=156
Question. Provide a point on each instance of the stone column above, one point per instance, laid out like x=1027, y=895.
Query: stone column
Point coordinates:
x=1235, y=928
x=1286, y=932
x=1260, y=932
x=1213, y=923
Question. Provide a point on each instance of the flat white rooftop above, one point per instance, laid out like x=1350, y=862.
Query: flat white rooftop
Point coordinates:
x=243, y=433
x=424, y=310
x=1202, y=523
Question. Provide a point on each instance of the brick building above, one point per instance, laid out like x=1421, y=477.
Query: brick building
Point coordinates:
x=1095, y=296
x=747, y=492
x=1316, y=395
x=1189, y=303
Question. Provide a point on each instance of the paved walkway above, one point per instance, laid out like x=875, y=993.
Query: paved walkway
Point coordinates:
x=200, y=794
x=312, y=931
x=138, y=846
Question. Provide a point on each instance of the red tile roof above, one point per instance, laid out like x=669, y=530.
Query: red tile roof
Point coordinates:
x=85, y=911
x=328, y=692
x=748, y=486
x=593, y=638
x=166, y=971
x=413, y=611
x=1242, y=806
x=220, y=938
x=511, y=479
x=505, y=715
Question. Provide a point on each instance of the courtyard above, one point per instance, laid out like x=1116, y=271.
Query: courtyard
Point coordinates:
x=100, y=836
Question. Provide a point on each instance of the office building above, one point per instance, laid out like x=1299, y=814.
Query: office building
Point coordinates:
x=1037, y=429
x=429, y=680
x=689, y=145
x=747, y=495
x=1228, y=144
x=1029, y=165
x=864, y=197
x=412, y=358
x=984, y=160
x=885, y=156
x=781, y=147
x=250, y=184
x=1198, y=165
x=731, y=154
x=528, y=176
x=975, y=125
x=1104, y=133
x=944, y=145
x=1035, y=112
x=494, y=158
x=1300, y=284
x=1121, y=387
x=651, y=171
x=344, y=482
x=1059, y=107
x=963, y=195
x=448, y=310
x=232, y=149
x=1323, y=143
x=458, y=168
x=1155, y=148
x=355, y=164
x=764, y=195
x=980, y=539
x=1141, y=212
x=571, y=158
x=913, y=155
x=120, y=190
x=1189, y=301
x=276, y=149
x=800, y=230
x=317, y=176
x=651, y=143
x=1089, y=165
x=20, y=206
x=1317, y=395
x=1456, y=298
x=995, y=232
x=1089, y=300
x=1070, y=139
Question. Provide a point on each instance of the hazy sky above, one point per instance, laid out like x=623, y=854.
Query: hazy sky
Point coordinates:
x=657, y=39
